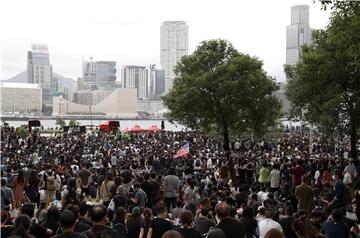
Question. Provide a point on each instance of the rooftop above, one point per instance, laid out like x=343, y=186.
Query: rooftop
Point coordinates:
x=18, y=85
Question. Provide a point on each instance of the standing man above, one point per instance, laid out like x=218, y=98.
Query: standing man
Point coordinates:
x=171, y=186
x=264, y=174
x=275, y=178
x=335, y=227
x=67, y=224
x=140, y=196
x=232, y=227
x=159, y=225
x=297, y=172
x=84, y=176
x=7, y=196
x=98, y=215
x=305, y=195
x=339, y=190
x=268, y=224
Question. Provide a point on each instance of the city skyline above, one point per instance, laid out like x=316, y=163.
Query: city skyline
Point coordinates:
x=256, y=28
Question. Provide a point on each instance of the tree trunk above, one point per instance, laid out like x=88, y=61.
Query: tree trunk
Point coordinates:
x=226, y=140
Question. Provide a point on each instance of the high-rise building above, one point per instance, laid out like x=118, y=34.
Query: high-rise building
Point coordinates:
x=98, y=74
x=174, y=39
x=157, y=82
x=133, y=76
x=40, y=71
x=298, y=33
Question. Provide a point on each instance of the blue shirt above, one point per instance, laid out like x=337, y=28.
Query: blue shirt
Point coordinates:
x=335, y=229
x=339, y=191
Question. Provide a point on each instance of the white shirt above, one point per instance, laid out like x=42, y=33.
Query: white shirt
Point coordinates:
x=266, y=225
x=317, y=176
x=113, y=160
x=209, y=163
x=275, y=178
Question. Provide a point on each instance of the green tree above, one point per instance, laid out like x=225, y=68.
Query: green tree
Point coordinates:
x=22, y=131
x=60, y=122
x=74, y=123
x=324, y=87
x=219, y=89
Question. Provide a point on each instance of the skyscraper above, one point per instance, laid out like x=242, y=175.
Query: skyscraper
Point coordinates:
x=40, y=71
x=157, y=82
x=298, y=33
x=174, y=40
x=98, y=74
x=133, y=76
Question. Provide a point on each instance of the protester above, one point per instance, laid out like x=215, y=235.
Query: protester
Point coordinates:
x=67, y=223
x=98, y=216
x=7, y=196
x=186, y=229
x=130, y=185
x=22, y=226
x=159, y=225
x=232, y=227
x=203, y=223
x=268, y=223
x=305, y=195
x=335, y=227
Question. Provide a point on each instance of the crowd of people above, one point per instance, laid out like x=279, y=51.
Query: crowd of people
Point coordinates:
x=129, y=185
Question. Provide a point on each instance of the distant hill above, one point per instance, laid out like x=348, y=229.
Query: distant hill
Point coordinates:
x=68, y=82
x=19, y=78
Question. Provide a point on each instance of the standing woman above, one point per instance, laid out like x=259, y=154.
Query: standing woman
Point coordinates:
x=190, y=193
x=105, y=189
x=19, y=186
x=22, y=227
x=146, y=224
x=32, y=188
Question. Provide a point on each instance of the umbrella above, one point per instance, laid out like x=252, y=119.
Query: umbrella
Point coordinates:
x=136, y=128
x=154, y=128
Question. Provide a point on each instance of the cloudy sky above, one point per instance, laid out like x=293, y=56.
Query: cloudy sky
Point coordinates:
x=128, y=31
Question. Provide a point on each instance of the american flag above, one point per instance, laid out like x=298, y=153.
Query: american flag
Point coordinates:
x=183, y=150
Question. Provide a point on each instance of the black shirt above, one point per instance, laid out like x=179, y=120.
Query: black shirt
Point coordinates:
x=100, y=231
x=69, y=235
x=133, y=226
x=189, y=233
x=286, y=225
x=250, y=225
x=203, y=224
x=38, y=230
x=6, y=231
x=232, y=227
x=159, y=227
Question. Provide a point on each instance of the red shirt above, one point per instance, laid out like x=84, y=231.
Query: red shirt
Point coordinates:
x=297, y=173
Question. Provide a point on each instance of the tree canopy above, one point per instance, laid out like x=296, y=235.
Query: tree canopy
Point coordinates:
x=60, y=122
x=218, y=88
x=74, y=123
x=324, y=87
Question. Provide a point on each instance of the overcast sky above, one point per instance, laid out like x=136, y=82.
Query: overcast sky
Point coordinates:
x=128, y=31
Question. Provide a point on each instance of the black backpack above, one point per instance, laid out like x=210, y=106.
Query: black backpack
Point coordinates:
x=72, y=197
x=197, y=163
